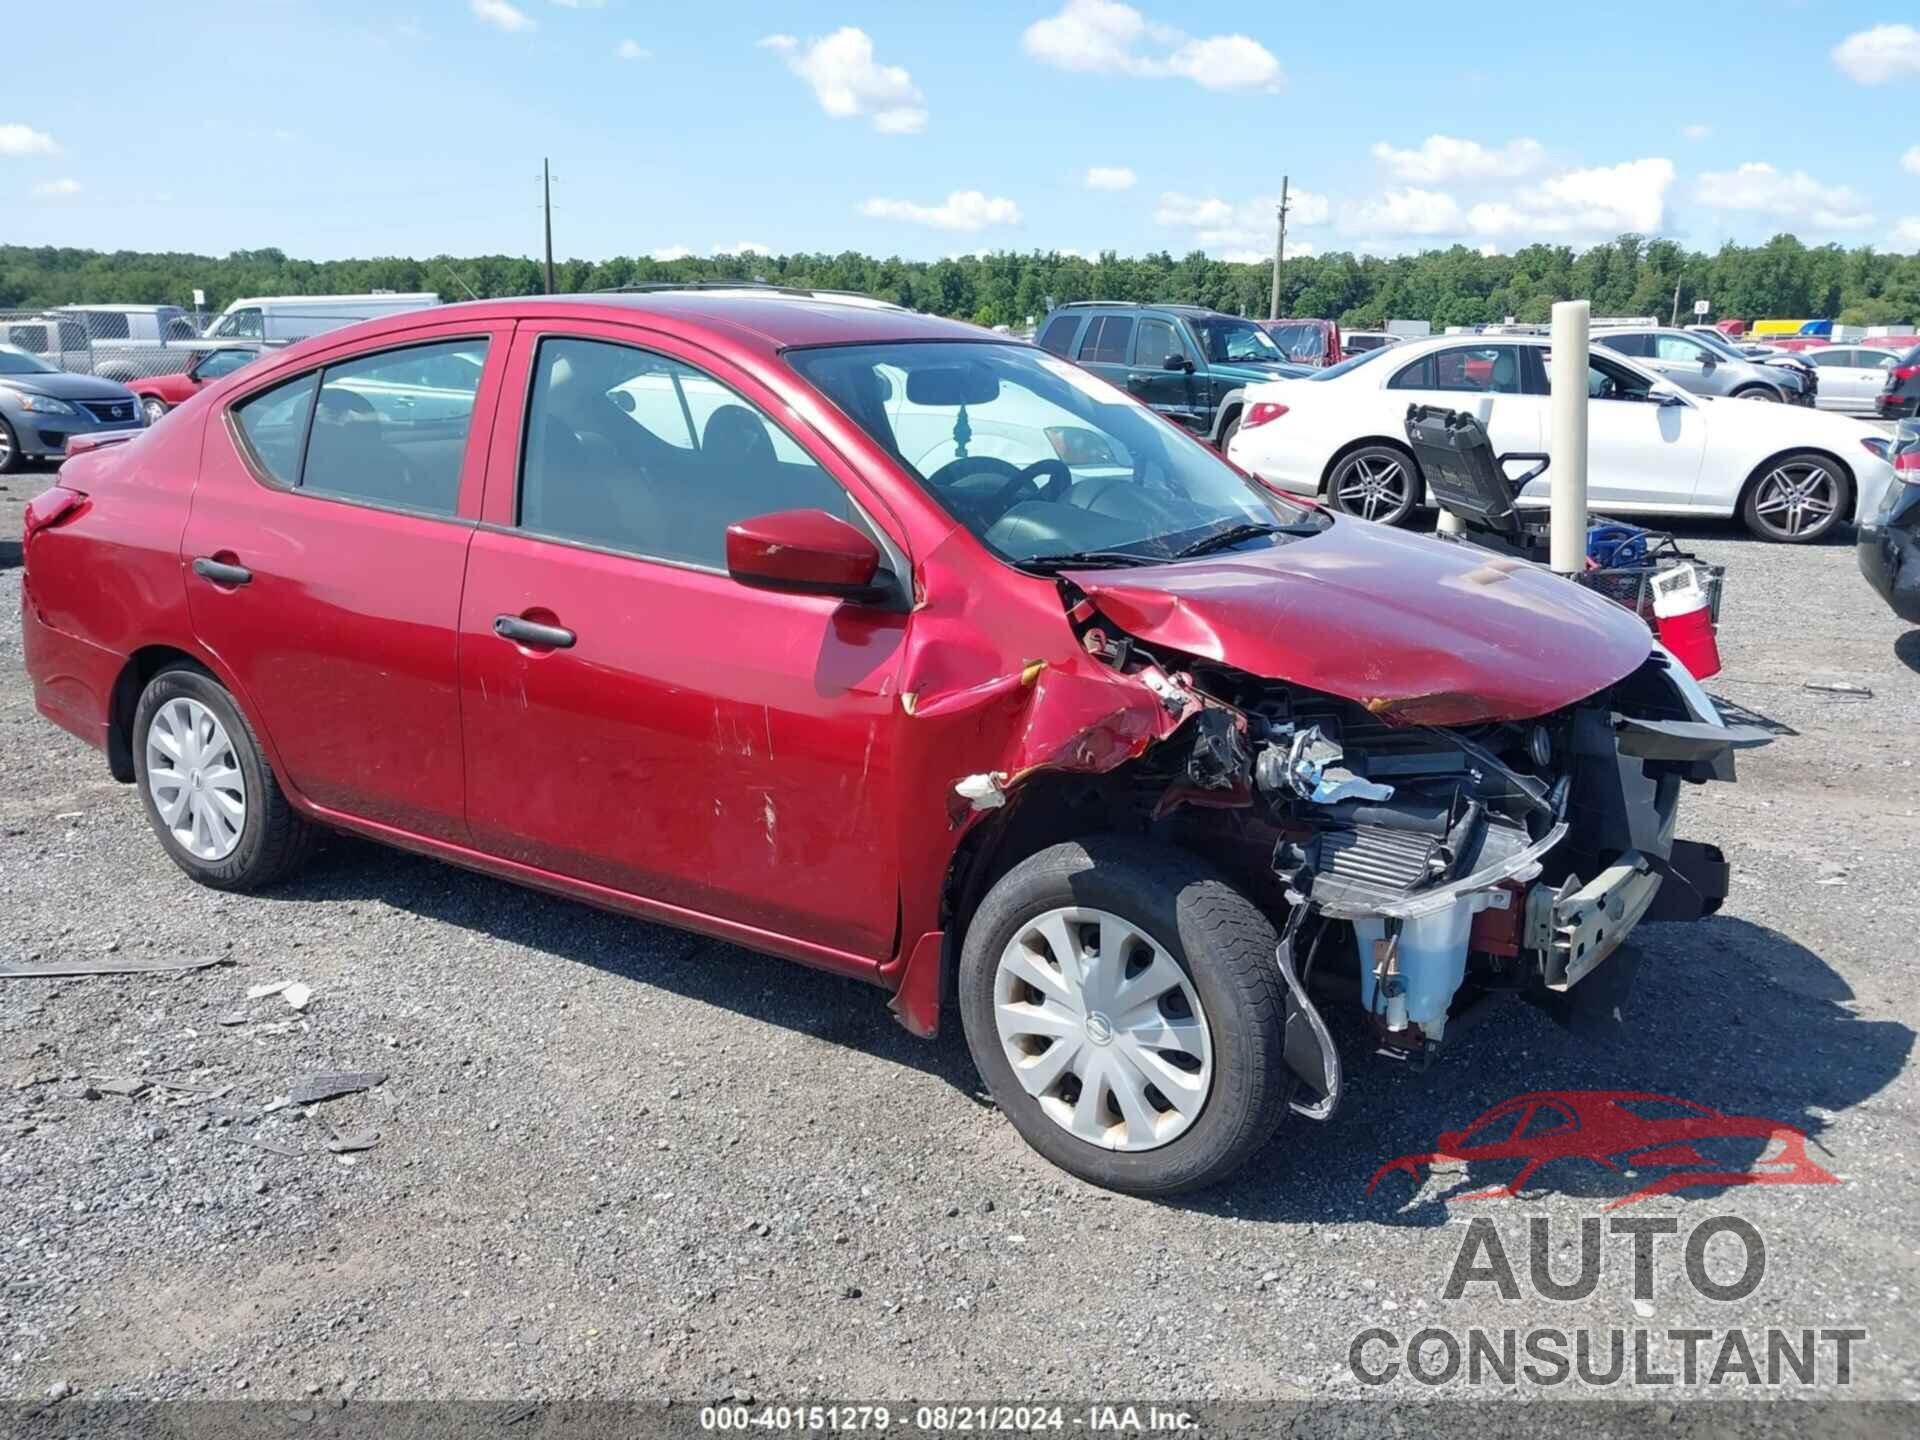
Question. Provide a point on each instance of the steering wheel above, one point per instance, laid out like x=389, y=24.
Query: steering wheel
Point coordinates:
x=1059, y=482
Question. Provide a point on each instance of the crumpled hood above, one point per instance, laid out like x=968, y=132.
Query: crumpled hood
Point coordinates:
x=1417, y=630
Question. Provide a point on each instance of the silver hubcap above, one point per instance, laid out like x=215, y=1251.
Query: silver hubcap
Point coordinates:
x=155, y=409
x=1103, y=1029
x=194, y=778
x=6, y=445
x=1372, y=487
x=1767, y=395
x=1797, y=500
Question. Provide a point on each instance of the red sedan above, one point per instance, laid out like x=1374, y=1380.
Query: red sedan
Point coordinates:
x=871, y=640
x=160, y=393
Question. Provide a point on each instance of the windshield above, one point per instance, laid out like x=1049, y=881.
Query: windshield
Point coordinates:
x=1300, y=342
x=1352, y=362
x=1225, y=338
x=18, y=362
x=1041, y=459
x=1717, y=343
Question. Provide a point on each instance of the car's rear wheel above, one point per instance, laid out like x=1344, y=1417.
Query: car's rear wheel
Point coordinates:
x=1796, y=499
x=1227, y=432
x=209, y=793
x=1375, y=482
x=1123, y=1004
x=9, y=449
x=154, y=408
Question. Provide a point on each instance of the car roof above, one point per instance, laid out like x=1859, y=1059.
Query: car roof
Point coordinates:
x=1177, y=307
x=116, y=309
x=764, y=318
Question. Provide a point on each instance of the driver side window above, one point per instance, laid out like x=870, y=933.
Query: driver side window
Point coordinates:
x=633, y=451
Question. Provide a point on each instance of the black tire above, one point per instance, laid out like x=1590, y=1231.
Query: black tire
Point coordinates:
x=274, y=840
x=1757, y=392
x=10, y=457
x=1385, y=472
x=1227, y=432
x=1225, y=946
x=1758, y=503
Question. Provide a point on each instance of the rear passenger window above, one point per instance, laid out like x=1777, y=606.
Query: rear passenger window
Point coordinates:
x=275, y=425
x=391, y=429
x=1058, y=336
x=1634, y=345
x=1107, y=340
x=628, y=450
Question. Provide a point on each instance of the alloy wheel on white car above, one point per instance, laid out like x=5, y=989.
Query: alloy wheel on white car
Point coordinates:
x=1374, y=484
x=1798, y=499
x=1103, y=1028
x=195, y=780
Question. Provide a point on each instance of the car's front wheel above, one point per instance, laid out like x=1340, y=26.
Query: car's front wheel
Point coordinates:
x=1796, y=499
x=154, y=408
x=10, y=456
x=1757, y=392
x=209, y=793
x=1123, y=1004
x=1375, y=482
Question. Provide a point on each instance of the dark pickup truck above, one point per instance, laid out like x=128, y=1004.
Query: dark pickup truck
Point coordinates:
x=1190, y=363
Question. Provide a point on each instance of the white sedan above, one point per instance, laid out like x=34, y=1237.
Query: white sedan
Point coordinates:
x=1789, y=472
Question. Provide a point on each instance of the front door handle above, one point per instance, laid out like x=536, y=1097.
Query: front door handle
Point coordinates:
x=532, y=632
x=220, y=572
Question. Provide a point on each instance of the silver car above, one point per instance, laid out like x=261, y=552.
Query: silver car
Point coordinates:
x=1703, y=369
x=1852, y=376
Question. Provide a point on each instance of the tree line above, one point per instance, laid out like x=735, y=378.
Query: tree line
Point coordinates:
x=1631, y=275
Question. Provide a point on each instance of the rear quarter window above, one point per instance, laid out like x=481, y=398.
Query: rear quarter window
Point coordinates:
x=1058, y=336
x=274, y=427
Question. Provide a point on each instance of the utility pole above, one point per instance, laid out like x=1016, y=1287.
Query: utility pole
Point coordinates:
x=1279, y=252
x=546, y=197
x=1674, y=319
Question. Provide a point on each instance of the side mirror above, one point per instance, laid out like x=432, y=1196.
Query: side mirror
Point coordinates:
x=1177, y=362
x=1665, y=394
x=1708, y=365
x=808, y=552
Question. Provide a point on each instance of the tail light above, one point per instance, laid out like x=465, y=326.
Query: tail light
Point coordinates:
x=1901, y=373
x=1260, y=412
x=1908, y=462
x=50, y=508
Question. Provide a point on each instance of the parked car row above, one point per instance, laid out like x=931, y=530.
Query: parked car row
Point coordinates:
x=1791, y=474
x=43, y=407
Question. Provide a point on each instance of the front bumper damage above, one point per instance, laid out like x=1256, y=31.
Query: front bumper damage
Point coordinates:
x=1444, y=864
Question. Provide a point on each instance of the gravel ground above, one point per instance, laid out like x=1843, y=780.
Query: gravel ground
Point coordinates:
x=619, y=1161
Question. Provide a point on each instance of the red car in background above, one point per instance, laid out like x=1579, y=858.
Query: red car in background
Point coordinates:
x=1307, y=342
x=878, y=642
x=160, y=393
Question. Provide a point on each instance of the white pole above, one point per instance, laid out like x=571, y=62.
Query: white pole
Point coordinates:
x=1567, y=472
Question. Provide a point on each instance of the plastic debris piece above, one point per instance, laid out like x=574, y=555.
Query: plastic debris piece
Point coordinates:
x=983, y=792
x=114, y=1085
x=341, y=1143
x=297, y=995
x=261, y=992
x=1839, y=687
x=1314, y=772
x=312, y=1089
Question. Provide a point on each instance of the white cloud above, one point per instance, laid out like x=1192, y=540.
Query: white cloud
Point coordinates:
x=670, y=252
x=962, y=210
x=17, y=140
x=1697, y=132
x=847, y=81
x=1910, y=162
x=632, y=50
x=1906, y=235
x=1247, y=257
x=1409, y=212
x=63, y=189
x=1224, y=225
x=1762, y=190
x=1102, y=37
x=1880, y=56
x=1602, y=201
x=1118, y=177
x=502, y=16
x=580, y=4
x=1441, y=159
x=745, y=247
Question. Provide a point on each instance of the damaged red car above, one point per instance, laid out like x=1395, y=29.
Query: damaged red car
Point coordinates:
x=887, y=645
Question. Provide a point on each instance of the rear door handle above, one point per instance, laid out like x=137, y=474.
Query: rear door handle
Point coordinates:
x=532, y=632
x=219, y=572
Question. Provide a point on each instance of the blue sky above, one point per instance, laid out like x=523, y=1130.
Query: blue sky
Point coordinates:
x=350, y=127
